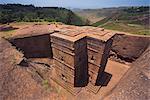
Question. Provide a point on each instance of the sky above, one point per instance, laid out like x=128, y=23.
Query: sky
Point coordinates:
x=83, y=4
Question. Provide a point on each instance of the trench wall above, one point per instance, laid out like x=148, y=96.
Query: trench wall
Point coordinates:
x=124, y=47
x=34, y=46
x=128, y=47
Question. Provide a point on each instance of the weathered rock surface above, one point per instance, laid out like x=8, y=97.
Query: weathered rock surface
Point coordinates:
x=129, y=47
x=135, y=84
x=15, y=82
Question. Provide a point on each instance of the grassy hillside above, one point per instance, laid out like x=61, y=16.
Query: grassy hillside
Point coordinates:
x=95, y=15
x=134, y=20
x=29, y=13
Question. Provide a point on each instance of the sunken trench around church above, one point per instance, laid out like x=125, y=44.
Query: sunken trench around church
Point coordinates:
x=74, y=57
x=88, y=62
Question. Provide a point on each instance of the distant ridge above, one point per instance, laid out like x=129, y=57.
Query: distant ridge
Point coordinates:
x=128, y=19
x=29, y=13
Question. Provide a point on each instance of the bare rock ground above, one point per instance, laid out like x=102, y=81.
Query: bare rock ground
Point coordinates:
x=135, y=84
x=127, y=82
x=16, y=83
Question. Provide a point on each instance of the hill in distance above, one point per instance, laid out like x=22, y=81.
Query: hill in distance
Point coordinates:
x=133, y=20
x=29, y=13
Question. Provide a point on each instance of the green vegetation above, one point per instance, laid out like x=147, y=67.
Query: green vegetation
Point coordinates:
x=133, y=20
x=29, y=13
x=101, y=22
x=45, y=84
x=7, y=34
x=134, y=29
